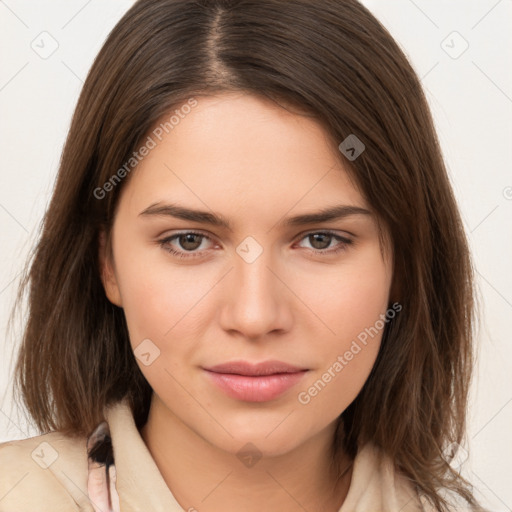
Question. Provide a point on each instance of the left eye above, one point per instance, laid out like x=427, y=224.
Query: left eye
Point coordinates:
x=191, y=241
x=324, y=239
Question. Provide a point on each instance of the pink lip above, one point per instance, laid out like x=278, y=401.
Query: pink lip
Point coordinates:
x=255, y=369
x=255, y=382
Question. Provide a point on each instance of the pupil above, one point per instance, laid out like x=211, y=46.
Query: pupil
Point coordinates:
x=322, y=244
x=187, y=241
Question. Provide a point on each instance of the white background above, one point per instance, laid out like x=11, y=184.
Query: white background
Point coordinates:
x=471, y=99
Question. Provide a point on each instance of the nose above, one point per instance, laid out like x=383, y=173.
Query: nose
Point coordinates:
x=256, y=300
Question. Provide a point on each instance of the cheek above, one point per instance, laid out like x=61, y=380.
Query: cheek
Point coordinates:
x=164, y=315
x=159, y=300
x=349, y=298
x=150, y=307
x=347, y=358
x=353, y=317
x=335, y=386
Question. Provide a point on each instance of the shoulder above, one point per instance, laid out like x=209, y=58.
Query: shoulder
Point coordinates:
x=46, y=472
x=378, y=485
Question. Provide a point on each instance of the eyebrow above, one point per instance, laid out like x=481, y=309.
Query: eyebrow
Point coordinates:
x=204, y=217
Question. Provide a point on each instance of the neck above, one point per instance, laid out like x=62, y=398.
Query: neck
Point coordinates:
x=204, y=477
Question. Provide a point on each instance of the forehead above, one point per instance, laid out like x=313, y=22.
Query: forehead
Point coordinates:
x=237, y=152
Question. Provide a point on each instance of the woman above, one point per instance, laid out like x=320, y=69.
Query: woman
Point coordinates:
x=253, y=289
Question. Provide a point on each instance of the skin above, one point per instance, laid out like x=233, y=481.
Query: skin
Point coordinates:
x=254, y=163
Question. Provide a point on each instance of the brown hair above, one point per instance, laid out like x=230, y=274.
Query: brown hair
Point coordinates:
x=335, y=61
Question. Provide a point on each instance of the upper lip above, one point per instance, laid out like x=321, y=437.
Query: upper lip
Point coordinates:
x=247, y=368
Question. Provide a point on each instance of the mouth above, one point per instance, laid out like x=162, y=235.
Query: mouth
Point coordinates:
x=259, y=382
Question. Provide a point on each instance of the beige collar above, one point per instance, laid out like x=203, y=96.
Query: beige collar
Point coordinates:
x=374, y=486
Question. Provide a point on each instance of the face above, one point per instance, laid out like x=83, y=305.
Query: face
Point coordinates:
x=255, y=286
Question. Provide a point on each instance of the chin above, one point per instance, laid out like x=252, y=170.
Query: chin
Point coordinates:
x=265, y=442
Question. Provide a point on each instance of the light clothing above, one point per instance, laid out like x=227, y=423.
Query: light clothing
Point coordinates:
x=54, y=473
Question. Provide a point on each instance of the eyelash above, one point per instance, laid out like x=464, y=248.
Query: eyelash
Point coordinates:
x=343, y=246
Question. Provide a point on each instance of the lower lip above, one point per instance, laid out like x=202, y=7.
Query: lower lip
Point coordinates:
x=255, y=389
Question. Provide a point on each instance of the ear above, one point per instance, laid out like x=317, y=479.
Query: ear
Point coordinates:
x=107, y=274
